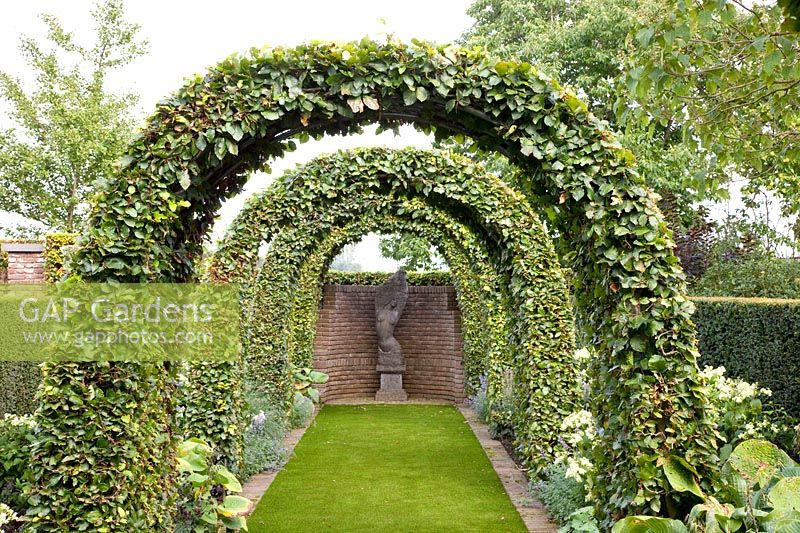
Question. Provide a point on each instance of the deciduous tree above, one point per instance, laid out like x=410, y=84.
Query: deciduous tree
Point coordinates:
x=67, y=129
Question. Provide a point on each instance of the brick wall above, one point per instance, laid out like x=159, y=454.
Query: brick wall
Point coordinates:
x=25, y=262
x=429, y=331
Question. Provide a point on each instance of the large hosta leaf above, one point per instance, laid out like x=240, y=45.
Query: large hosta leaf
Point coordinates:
x=681, y=475
x=649, y=524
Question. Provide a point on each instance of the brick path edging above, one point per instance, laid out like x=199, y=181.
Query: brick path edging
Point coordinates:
x=514, y=481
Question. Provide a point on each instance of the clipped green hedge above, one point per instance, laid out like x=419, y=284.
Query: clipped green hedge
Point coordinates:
x=337, y=277
x=18, y=383
x=3, y=266
x=19, y=380
x=755, y=339
x=54, y=255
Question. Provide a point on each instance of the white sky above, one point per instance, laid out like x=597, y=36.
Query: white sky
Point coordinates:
x=188, y=36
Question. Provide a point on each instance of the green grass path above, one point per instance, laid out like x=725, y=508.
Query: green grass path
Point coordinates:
x=398, y=468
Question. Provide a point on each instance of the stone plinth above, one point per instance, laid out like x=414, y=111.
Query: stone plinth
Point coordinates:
x=391, y=389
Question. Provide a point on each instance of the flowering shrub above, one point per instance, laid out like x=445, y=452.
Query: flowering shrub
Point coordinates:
x=737, y=407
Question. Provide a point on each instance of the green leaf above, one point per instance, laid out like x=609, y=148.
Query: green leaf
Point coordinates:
x=785, y=495
x=649, y=524
x=233, y=506
x=681, y=475
x=225, y=478
x=422, y=94
x=184, y=180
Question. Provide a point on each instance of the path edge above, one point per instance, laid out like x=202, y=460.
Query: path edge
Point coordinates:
x=514, y=481
x=255, y=487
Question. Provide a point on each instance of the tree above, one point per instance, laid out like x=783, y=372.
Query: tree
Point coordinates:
x=411, y=251
x=69, y=130
x=583, y=43
x=727, y=72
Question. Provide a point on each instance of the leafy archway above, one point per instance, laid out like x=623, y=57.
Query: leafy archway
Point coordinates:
x=147, y=224
x=306, y=205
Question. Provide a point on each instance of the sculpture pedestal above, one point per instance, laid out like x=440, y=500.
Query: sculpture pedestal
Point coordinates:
x=391, y=388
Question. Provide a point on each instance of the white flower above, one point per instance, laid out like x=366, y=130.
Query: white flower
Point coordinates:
x=19, y=420
x=577, y=468
x=7, y=515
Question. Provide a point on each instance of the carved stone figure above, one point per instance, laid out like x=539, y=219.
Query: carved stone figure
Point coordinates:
x=390, y=300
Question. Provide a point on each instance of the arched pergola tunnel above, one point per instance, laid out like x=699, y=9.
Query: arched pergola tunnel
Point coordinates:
x=475, y=282
x=368, y=188
x=148, y=223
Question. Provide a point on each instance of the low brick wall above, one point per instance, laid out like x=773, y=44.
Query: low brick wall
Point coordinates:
x=429, y=331
x=25, y=262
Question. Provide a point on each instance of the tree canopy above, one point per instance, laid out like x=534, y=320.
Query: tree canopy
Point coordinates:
x=727, y=73
x=68, y=129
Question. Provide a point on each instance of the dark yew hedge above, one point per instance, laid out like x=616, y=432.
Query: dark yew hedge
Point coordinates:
x=755, y=339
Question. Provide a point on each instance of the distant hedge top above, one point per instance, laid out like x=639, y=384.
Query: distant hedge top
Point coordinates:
x=337, y=277
x=148, y=222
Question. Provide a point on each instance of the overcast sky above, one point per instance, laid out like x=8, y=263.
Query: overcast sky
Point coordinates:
x=186, y=37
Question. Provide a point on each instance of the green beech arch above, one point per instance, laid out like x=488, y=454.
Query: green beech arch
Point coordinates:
x=148, y=222
x=304, y=206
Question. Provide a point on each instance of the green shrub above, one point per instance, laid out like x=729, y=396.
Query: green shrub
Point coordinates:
x=3, y=266
x=581, y=521
x=206, y=501
x=302, y=409
x=757, y=340
x=263, y=439
x=18, y=383
x=54, y=255
x=754, y=277
x=16, y=433
x=561, y=495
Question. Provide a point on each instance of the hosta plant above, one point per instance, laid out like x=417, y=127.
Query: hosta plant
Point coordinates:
x=205, y=502
x=760, y=493
x=304, y=379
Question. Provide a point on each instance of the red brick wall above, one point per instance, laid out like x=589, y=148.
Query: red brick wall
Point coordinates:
x=25, y=263
x=429, y=331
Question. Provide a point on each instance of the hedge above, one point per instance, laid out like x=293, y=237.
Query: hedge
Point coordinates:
x=3, y=266
x=54, y=244
x=337, y=277
x=755, y=339
x=19, y=380
x=18, y=383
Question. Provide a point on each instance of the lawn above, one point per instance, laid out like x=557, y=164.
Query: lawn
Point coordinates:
x=387, y=468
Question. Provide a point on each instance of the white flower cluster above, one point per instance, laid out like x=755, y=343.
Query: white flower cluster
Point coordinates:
x=19, y=420
x=579, y=427
x=577, y=468
x=731, y=389
x=578, y=433
x=7, y=515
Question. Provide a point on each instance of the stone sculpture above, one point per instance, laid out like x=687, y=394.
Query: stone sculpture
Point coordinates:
x=390, y=300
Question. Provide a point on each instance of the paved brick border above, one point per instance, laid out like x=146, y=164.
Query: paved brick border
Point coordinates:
x=531, y=510
x=257, y=485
